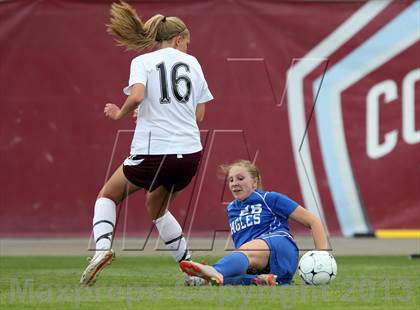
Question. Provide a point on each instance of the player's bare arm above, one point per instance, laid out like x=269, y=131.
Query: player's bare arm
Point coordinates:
x=200, y=111
x=307, y=219
x=130, y=105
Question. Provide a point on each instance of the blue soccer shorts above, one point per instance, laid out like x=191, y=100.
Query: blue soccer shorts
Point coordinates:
x=284, y=256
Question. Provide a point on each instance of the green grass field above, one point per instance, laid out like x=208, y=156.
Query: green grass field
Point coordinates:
x=155, y=283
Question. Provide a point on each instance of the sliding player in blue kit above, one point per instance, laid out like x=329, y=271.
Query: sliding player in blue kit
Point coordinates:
x=260, y=232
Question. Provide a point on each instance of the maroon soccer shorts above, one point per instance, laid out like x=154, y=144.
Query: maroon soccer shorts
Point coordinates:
x=152, y=171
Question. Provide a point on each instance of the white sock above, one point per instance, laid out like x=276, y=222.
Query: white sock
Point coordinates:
x=104, y=223
x=171, y=233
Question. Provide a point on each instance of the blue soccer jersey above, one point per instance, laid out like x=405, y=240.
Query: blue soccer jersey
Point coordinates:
x=261, y=213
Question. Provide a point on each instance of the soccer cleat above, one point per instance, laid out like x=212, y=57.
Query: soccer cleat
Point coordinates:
x=96, y=264
x=265, y=280
x=194, y=281
x=203, y=271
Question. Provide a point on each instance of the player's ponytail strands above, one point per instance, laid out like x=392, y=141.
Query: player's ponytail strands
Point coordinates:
x=127, y=28
x=129, y=31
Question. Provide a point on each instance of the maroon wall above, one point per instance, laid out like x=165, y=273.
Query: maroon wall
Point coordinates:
x=58, y=68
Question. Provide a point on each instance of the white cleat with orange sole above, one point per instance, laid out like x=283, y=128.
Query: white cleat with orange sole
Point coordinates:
x=98, y=262
x=203, y=271
x=194, y=281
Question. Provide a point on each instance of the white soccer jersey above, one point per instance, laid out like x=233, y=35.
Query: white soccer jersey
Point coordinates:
x=174, y=84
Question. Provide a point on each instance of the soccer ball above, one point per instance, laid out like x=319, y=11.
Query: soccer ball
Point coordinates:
x=317, y=267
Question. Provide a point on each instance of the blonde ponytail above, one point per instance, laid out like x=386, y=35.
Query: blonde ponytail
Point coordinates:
x=129, y=31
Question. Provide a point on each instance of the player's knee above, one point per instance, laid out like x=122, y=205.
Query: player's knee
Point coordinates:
x=251, y=256
x=115, y=198
x=257, y=259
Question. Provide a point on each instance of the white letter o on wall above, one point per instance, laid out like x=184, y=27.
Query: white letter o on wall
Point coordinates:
x=409, y=133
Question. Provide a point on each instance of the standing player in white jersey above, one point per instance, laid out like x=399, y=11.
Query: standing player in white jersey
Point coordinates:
x=169, y=89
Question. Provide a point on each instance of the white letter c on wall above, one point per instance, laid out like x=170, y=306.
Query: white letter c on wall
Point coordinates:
x=375, y=149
